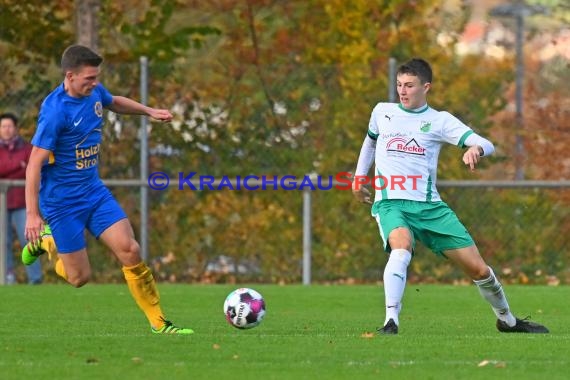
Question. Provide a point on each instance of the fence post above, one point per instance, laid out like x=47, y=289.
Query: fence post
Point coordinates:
x=143, y=238
x=3, y=229
x=392, y=80
x=306, y=237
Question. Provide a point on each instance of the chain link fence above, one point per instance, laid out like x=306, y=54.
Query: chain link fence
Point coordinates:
x=519, y=228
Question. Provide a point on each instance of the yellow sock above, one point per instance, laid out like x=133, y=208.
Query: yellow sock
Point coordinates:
x=48, y=244
x=143, y=289
x=60, y=269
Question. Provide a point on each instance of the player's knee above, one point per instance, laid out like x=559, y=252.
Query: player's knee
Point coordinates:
x=128, y=247
x=130, y=253
x=79, y=279
x=77, y=282
x=400, y=238
x=134, y=247
x=480, y=272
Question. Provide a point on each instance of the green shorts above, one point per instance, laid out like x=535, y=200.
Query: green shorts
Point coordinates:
x=432, y=223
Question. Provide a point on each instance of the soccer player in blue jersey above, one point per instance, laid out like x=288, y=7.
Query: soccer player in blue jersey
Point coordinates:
x=404, y=140
x=63, y=188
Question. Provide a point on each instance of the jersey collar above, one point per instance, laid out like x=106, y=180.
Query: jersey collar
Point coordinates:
x=417, y=110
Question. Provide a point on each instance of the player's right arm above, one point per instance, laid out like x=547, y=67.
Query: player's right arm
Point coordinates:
x=34, y=221
x=365, y=161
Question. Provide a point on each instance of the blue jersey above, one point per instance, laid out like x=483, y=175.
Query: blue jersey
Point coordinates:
x=71, y=129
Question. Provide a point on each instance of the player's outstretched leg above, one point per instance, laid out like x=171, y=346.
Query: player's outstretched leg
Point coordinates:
x=492, y=291
x=46, y=244
x=142, y=286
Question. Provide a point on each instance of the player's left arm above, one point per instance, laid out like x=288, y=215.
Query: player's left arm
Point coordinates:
x=478, y=147
x=124, y=105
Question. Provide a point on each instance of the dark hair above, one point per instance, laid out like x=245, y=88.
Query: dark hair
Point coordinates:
x=417, y=67
x=11, y=116
x=76, y=56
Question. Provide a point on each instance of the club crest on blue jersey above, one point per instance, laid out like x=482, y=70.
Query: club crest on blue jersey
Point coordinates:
x=98, y=109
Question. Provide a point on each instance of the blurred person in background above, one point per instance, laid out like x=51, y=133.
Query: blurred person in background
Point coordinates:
x=14, y=155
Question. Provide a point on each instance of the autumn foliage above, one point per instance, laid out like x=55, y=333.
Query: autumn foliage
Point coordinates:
x=286, y=87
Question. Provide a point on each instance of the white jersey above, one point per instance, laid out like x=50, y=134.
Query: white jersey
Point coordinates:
x=407, y=149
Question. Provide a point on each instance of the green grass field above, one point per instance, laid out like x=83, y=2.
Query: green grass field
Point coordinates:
x=310, y=332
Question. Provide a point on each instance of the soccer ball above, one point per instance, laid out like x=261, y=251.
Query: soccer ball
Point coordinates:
x=244, y=308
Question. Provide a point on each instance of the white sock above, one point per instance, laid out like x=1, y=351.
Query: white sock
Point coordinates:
x=492, y=290
x=395, y=282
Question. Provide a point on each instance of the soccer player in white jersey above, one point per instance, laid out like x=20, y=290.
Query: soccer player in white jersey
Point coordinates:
x=404, y=141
